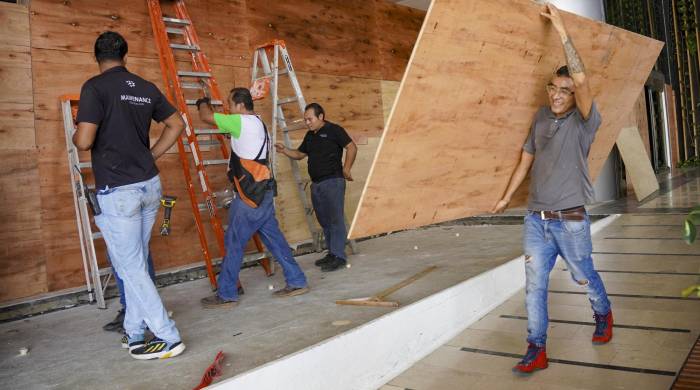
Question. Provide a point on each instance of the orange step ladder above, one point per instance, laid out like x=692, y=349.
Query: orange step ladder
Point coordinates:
x=177, y=33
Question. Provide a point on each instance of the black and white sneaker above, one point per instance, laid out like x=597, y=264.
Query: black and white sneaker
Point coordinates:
x=157, y=349
x=131, y=345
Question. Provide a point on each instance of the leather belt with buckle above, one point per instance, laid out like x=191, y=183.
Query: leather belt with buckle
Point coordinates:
x=574, y=214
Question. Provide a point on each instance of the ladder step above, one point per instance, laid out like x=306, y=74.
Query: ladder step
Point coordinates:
x=174, y=30
x=206, y=131
x=215, y=162
x=191, y=102
x=176, y=22
x=179, y=46
x=185, y=73
x=105, y=271
x=254, y=257
x=294, y=128
x=191, y=86
x=287, y=100
x=205, y=142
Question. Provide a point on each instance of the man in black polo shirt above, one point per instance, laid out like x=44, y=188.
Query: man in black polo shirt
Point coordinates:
x=114, y=117
x=324, y=144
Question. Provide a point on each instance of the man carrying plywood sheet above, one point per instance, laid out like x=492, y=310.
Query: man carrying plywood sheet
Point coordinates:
x=557, y=222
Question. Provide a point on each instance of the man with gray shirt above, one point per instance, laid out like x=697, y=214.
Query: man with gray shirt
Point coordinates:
x=557, y=223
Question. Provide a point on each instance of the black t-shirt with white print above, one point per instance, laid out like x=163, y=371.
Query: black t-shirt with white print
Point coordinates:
x=325, y=150
x=122, y=105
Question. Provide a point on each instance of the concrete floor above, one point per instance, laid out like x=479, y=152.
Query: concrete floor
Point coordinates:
x=644, y=264
x=69, y=350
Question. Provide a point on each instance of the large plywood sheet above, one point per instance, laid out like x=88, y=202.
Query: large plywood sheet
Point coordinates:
x=17, y=125
x=397, y=30
x=474, y=83
x=74, y=25
x=323, y=36
x=636, y=159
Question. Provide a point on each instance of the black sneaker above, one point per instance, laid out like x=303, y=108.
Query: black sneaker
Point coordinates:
x=132, y=345
x=157, y=349
x=216, y=302
x=117, y=324
x=333, y=265
x=325, y=260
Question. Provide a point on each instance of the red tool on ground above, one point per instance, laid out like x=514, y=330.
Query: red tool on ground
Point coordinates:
x=213, y=371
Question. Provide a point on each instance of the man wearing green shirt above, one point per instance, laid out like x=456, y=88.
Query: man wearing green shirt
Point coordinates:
x=249, y=141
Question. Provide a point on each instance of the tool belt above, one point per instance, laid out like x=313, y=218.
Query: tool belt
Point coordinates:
x=572, y=214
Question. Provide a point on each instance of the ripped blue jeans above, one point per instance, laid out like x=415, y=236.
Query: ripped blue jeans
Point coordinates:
x=543, y=241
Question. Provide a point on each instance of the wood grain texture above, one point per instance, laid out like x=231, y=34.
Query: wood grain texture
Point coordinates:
x=22, y=255
x=16, y=111
x=323, y=36
x=74, y=25
x=467, y=101
x=397, y=30
x=352, y=102
x=637, y=163
x=341, y=49
x=14, y=25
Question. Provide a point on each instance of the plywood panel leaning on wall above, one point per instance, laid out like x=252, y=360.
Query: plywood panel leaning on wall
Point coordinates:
x=326, y=36
x=397, y=30
x=74, y=25
x=22, y=257
x=637, y=163
x=474, y=83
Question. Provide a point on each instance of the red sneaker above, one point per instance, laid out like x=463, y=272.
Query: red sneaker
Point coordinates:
x=534, y=359
x=603, y=328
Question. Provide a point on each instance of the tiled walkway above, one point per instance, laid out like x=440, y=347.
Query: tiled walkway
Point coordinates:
x=644, y=265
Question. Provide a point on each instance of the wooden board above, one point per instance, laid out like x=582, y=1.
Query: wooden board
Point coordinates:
x=74, y=25
x=341, y=67
x=23, y=258
x=634, y=155
x=389, y=91
x=323, y=36
x=352, y=102
x=397, y=30
x=474, y=83
x=16, y=111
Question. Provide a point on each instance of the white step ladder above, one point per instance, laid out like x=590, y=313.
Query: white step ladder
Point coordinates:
x=265, y=78
x=96, y=278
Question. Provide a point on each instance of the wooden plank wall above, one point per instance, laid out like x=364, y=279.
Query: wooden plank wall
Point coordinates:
x=483, y=67
x=343, y=52
x=23, y=257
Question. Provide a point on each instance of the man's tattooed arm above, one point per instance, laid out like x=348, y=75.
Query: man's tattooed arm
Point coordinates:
x=572, y=59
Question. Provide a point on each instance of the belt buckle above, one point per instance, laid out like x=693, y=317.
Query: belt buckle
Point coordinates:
x=542, y=215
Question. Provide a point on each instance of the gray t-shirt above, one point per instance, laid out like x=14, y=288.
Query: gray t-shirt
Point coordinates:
x=559, y=177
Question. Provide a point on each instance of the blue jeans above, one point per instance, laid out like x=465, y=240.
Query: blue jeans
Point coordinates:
x=328, y=199
x=244, y=221
x=120, y=282
x=128, y=214
x=543, y=240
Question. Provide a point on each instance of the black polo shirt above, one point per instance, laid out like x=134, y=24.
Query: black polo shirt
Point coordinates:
x=122, y=105
x=325, y=150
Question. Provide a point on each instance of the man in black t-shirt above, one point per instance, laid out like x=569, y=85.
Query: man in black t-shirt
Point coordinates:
x=324, y=144
x=114, y=118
